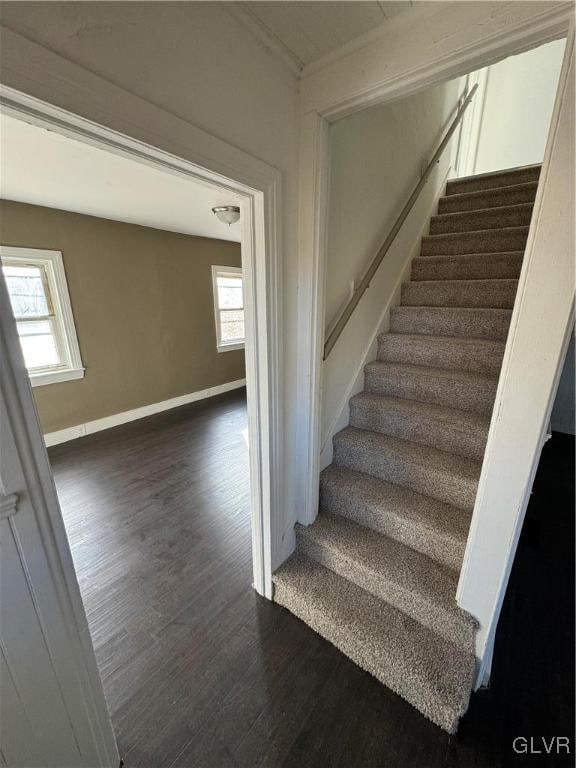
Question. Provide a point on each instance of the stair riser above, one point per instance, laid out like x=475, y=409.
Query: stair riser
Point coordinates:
x=491, y=218
x=445, y=550
x=439, y=621
x=487, y=266
x=459, y=491
x=372, y=658
x=489, y=294
x=438, y=321
x=516, y=195
x=469, y=357
x=493, y=181
x=484, y=241
x=473, y=396
x=461, y=438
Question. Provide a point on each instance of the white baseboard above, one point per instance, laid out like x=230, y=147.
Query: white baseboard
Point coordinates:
x=80, y=430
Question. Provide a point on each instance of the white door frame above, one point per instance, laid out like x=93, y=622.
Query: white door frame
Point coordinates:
x=258, y=195
x=256, y=187
x=447, y=42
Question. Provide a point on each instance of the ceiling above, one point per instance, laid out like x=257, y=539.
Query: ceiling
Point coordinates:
x=45, y=168
x=310, y=30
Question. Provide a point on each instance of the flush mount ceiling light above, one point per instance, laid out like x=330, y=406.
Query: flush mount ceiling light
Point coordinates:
x=228, y=214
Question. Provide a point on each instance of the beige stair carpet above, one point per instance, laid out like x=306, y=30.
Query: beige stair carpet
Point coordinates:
x=377, y=573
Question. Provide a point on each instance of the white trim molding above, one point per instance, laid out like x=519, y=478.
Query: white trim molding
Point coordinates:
x=116, y=419
x=433, y=43
x=64, y=328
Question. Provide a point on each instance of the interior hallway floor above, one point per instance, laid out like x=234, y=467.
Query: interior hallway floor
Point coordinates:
x=199, y=672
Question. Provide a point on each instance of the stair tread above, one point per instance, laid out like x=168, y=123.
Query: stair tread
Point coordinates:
x=487, y=196
x=441, y=413
x=484, y=232
x=471, y=390
x=532, y=185
x=519, y=170
x=492, y=265
x=475, y=240
x=471, y=322
x=491, y=211
x=382, y=559
x=474, y=282
x=429, y=370
x=470, y=311
x=433, y=459
x=428, y=671
x=494, y=180
x=439, y=426
x=468, y=255
x=457, y=352
x=493, y=218
x=446, y=341
x=391, y=508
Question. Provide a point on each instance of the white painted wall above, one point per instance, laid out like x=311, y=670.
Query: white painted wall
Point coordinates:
x=198, y=63
x=376, y=159
x=517, y=102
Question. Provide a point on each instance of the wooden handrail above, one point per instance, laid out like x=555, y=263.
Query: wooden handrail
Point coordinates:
x=359, y=291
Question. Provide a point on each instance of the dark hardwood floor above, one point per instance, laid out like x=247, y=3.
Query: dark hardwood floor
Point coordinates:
x=199, y=672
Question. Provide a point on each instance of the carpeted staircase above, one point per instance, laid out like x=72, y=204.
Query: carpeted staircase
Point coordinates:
x=376, y=574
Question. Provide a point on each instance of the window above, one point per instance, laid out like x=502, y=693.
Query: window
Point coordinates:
x=39, y=297
x=228, y=307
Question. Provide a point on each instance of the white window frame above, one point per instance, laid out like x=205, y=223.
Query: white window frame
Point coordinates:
x=65, y=330
x=223, y=346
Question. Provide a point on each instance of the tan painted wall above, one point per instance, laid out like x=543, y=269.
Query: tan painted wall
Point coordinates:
x=143, y=306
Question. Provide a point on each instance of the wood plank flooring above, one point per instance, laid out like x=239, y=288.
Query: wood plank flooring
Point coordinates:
x=199, y=672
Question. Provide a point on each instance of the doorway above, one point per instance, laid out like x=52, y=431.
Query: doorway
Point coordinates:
x=188, y=422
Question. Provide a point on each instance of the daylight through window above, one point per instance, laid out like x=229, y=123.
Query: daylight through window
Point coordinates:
x=228, y=307
x=40, y=302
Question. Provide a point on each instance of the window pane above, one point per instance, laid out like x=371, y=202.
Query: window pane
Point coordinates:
x=230, y=292
x=38, y=344
x=26, y=290
x=231, y=326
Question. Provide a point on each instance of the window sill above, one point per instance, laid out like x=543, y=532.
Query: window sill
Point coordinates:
x=229, y=347
x=42, y=378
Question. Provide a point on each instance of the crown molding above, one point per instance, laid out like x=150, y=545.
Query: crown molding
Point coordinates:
x=422, y=13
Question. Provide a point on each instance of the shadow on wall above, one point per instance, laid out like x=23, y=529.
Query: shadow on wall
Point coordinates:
x=377, y=157
x=564, y=411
